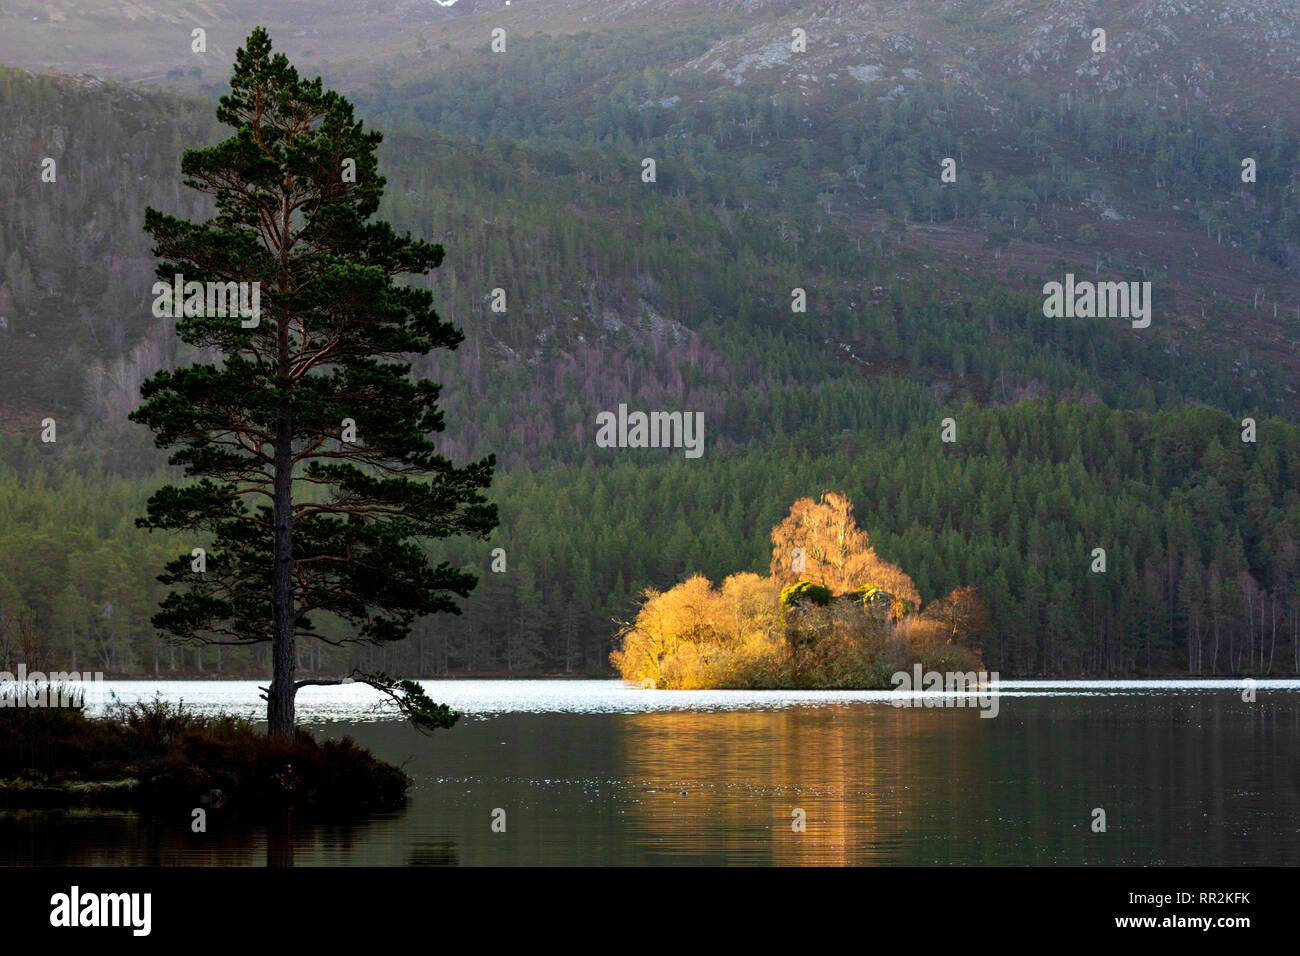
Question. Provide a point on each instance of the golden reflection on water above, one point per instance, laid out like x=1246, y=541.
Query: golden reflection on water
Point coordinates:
x=866, y=778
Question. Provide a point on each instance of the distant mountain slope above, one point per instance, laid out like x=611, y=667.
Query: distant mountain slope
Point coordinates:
x=772, y=174
x=669, y=292
x=1242, y=58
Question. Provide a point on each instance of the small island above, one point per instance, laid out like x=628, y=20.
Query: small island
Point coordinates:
x=160, y=756
x=831, y=614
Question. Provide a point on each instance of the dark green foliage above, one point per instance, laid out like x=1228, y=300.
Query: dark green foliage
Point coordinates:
x=805, y=592
x=413, y=702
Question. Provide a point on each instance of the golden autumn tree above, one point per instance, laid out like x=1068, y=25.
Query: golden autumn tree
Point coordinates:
x=750, y=607
x=835, y=552
x=668, y=620
x=751, y=632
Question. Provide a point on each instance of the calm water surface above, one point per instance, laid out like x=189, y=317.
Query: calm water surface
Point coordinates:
x=596, y=772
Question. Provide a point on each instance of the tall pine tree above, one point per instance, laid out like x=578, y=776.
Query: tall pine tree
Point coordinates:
x=317, y=475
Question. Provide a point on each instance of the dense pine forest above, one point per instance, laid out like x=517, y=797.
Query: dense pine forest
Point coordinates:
x=1199, y=531
x=923, y=303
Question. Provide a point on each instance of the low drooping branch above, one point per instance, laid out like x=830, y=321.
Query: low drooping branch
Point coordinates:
x=410, y=698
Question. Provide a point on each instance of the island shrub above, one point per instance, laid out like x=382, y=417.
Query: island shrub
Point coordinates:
x=805, y=592
x=843, y=619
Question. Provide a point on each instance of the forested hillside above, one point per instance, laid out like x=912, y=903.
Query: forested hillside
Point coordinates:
x=923, y=301
x=1200, y=531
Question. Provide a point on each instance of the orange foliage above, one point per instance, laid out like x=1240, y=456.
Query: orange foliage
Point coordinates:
x=696, y=636
x=837, y=553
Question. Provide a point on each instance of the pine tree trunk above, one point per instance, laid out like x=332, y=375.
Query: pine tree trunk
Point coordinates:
x=280, y=702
